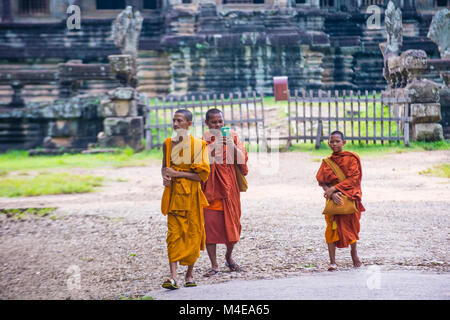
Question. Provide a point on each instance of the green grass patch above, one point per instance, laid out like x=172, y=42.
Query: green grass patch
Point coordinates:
x=21, y=214
x=48, y=183
x=19, y=160
x=442, y=170
x=135, y=298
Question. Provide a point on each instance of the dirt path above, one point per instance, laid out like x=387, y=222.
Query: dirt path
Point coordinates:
x=112, y=242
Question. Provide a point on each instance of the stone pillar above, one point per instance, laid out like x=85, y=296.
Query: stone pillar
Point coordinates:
x=425, y=110
x=439, y=34
x=283, y=4
x=315, y=3
x=133, y=3
x=7, y=13
x=17, y=99
x=122, y=125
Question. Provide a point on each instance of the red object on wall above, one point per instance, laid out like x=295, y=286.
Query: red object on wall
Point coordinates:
x=280, y=88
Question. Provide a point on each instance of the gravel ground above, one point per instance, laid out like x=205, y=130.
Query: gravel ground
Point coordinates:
x=111, y=243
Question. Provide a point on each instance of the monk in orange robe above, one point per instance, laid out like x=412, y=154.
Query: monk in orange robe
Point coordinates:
x=222, y=216
x=185, y=166
x=342, y=230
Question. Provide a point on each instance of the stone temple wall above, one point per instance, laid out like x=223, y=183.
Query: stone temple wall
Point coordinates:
x=205, y=50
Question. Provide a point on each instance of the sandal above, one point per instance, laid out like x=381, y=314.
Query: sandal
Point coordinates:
x=170, y=284
x=190, y=284
x=332, y=267
x=211, y=273
x=234, y=267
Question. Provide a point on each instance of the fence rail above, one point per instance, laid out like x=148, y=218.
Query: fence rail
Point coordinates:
x=244, y=113
x=311, y=116
x=368, y=117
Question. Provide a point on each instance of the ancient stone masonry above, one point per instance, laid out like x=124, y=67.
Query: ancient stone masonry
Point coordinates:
x=126, y=30
x=122, y=125
x=192, y=47
x=243, y=50
x=403, y=72
x=440, y=33
x=76, y=122
x=67, y=125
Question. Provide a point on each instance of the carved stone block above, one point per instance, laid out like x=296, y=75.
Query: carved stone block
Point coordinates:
x=427, y=132
x=425, y=113
x=423, y=91
x=130, y=126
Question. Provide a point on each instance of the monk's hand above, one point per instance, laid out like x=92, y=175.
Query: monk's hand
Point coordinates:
x=329, y=192
x=166, y=182
x=337, y=198
x=171, y=173
x=229, y=141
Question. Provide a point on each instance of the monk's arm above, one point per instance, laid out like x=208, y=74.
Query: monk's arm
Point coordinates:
x=164, y=158
x=189, y=175
x=181, y=174
x=166, y=178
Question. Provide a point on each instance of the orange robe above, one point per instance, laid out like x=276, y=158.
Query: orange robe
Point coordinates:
x=223, y=215
x=184, y=200
x=343, y=229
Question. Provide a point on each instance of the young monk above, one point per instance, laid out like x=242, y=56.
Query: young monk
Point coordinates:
x=222, y=216
x=342, y=230
x=185, y=165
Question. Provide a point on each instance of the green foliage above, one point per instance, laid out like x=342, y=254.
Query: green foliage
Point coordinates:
x=19, y=160
x=21, y=214
x=121, y=297
x=48, y=183
x=442, y=171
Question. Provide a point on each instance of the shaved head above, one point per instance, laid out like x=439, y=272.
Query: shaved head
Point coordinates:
x=212, y=111
x=338, y=133
x=186, y=113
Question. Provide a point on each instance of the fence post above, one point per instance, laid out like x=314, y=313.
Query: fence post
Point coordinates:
x=289, y=117
x=319, y=134
x=406, y=126
x=148, y=130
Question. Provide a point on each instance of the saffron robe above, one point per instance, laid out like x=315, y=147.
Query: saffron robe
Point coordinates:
x=223, y=215
x=343, y=229
x=183, y=200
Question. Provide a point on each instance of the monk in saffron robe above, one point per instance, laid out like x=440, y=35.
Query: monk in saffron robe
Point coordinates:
x=222, y=216
x=342, y=230
x=185, y=166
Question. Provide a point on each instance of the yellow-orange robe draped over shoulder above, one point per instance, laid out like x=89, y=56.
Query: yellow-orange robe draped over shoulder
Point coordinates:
x=343, y=229
x=183, y=201
x=222, y=192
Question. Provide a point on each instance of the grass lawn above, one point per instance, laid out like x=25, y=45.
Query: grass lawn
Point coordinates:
x=20, y=176
x=21, y=214
x=442, y=170
x=48, y=183
x=19, y=160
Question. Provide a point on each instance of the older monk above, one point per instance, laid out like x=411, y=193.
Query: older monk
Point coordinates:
x=185, y=165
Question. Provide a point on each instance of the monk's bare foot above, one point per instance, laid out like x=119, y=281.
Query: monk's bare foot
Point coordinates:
x=356, y=262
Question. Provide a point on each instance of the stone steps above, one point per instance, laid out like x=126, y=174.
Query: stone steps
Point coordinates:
x=16, y=135
x=153, y=73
